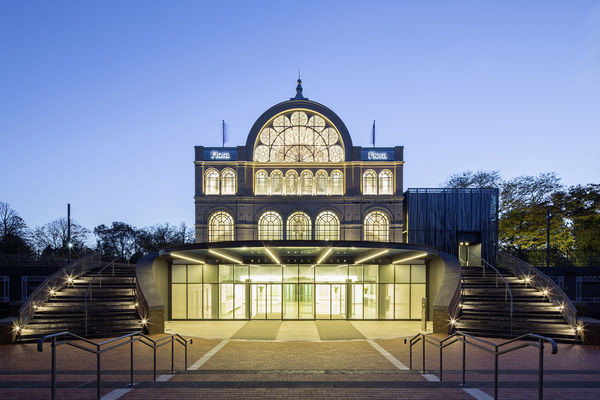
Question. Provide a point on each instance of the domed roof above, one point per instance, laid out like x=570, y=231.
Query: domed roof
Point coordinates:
x=299, y=130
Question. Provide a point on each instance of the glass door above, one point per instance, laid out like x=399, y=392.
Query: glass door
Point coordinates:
x=290, y=301
x=274, y=301
x=306, y=301
x=338, y=301
x=258, y=301
x=323, y=301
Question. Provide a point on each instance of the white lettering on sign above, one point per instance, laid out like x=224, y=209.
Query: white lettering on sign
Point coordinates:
x=219, y=155
x=377, y=155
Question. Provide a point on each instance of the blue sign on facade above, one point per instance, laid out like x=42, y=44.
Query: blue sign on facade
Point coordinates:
x=378, y=154
x=220, y=155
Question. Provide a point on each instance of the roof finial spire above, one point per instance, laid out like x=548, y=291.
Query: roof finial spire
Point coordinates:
x=299, y=95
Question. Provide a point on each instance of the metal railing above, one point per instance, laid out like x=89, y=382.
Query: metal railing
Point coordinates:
x=507, y=291
x=537, y=279
x=140, y=302
x=88, y=292
x=108, y=345
x=497, y=350
x=53, y=284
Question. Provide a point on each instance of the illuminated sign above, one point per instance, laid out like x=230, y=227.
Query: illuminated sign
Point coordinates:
x=220, y=155
x=377, y=155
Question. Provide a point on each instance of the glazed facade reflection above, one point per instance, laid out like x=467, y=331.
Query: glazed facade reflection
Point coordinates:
x=297, y=291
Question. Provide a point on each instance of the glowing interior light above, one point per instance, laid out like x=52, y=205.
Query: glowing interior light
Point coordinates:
x=324, y=256
x=235, y=260
x=371, y=256
x=409, y=258
x=272, y=255
x=187, y=258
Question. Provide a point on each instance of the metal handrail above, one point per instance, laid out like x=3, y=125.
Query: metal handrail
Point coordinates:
x=53, y=284
x=140, y=302
x=537, y=279
x=536, y=341
x=90, y=286
x=96, y=348
x=507, y=291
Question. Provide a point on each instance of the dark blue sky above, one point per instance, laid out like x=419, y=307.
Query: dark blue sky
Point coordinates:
x=101, y=103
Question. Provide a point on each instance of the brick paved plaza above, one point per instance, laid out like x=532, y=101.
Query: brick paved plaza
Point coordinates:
x=256, y=368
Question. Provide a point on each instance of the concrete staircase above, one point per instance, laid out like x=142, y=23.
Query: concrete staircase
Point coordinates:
x=111, y=307
x=485, y=312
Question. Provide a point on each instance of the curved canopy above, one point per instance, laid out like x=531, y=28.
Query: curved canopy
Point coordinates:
x=299, y=135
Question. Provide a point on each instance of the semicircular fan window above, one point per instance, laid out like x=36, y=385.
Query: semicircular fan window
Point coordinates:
x=299, y=136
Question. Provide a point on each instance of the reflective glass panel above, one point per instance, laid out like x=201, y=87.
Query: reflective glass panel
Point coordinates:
x=402, y=297
x=290, y=273
x=386, y=301
x=290, y=301
x=178, y=301
x=370, y=301
x=418, y=274
x=331, y=274
x=226, y=309
x=417, y=292
x=194, y=301
x=225, y=273
x=403, y=273
x=194, y=273
x=178, y=273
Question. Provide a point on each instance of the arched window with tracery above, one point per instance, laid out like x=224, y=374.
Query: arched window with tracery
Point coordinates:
x=369, y=182
x=337, y=183
x=298, y=226
x=386, y=185
x=321, y=179
x=376, y=227
x=306, y=183
x=211, y=182
x=270, y=226
x=220, y=227
x=327, y=226
x=299, y=136
x=291, y=183
x=261, y=183
x=227, y=181
x=276, y=183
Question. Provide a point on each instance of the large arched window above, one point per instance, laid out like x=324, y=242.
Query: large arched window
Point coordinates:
x=270, y=226
x=298, y=226
x=337, y=183
x=211, y=182
x=220, y=227
x=261, y=183
x=321, y=183
x=306, y=183
x=385, y=182
x=376, y=227
x=299, y=136
x=291, y=183
x=369, y=182
x=276, y=183
x=327, y=226
x=227, y=181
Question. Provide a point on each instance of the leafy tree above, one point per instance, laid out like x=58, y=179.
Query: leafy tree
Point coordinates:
x=477, y=179
x=582, y=205
x=14, y=234
x=156, y=237
x=117, y=240
x=52, y=238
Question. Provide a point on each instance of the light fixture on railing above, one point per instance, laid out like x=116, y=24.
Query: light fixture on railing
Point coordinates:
x=452, y=321
x=561, y=307
x=144, y=321
x=69, y=279
x=546, y=292
x=136, y=304
x=579, y=328
x=17, y=328
x=52, y=292
x=527, y=279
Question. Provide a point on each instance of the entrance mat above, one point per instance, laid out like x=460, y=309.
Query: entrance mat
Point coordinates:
x=262, y=330
x=337, y=330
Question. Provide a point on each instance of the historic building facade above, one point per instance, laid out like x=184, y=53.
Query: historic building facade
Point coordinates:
x=299, y=223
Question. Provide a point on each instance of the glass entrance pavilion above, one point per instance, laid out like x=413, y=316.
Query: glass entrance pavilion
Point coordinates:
x=335, y=281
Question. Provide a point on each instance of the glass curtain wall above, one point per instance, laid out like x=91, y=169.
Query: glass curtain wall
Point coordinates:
x=297, y=291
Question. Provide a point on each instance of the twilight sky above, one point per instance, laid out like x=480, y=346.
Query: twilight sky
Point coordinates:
x=101, y=102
